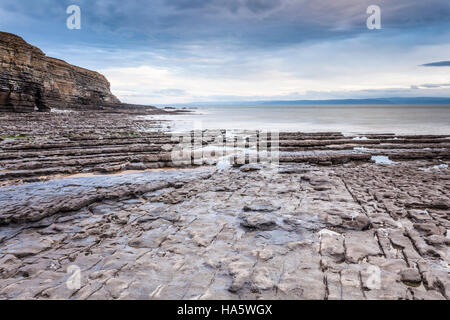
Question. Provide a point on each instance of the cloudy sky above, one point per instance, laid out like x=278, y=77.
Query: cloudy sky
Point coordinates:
x=179, y=51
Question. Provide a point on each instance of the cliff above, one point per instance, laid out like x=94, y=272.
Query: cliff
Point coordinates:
x=31, y=81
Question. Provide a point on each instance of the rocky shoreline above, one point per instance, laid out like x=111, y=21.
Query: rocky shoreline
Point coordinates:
x=98, y=190
x=38, y=146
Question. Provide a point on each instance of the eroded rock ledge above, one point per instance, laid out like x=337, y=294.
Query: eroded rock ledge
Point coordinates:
x=40, y=146
x=315, y=229
x=309, y=233
x=29, y=80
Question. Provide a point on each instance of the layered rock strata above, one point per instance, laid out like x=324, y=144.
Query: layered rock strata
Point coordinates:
x=41, y=145
x=30, y=81
x=331, y=223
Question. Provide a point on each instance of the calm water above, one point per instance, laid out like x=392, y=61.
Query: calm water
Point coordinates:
x=348, y=119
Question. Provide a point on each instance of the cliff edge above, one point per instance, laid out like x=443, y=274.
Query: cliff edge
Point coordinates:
x=31, y=81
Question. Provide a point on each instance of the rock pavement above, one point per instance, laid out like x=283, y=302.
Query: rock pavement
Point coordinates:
x=365, y=231
x=92, y=207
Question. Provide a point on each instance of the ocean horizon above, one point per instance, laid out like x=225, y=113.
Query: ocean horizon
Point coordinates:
x=348, y=119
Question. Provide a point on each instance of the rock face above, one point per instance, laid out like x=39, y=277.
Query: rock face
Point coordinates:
x=31, y=81
x=207, y=234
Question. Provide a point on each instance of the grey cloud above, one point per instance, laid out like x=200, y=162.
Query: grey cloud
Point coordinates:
x=437, y=64
x=172, y=92
x=431, y=86
x=322, y=95
x=187, y=4
x=262, y=5
x=229, y=5
x=158, y=93
x=247, y=22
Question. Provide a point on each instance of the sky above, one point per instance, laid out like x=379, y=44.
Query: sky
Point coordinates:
x=182, y=51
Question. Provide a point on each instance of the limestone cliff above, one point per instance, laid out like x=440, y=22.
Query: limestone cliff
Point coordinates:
x=30, y=81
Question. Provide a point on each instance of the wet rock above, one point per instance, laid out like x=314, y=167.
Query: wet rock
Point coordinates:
x=257, y=220
x=437, y=240
x=9, y=266
x=26, y=249
x=250, y=167
x=261, y=205
x=171, y=235
x=37, y=201
x=410, y=276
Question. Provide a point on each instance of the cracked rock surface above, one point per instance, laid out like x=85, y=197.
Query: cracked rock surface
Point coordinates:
x=349, y=231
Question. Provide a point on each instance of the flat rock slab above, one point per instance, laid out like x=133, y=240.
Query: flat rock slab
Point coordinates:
x=344, y=232
x=34, y=201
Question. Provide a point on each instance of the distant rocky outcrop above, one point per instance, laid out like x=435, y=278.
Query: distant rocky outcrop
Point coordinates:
x=31, y=81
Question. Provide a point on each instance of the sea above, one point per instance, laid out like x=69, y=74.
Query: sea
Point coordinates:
x=347, y=119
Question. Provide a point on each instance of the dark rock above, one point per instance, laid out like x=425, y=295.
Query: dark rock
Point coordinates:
x=410, y=276
x=257, y=220
x=250, y=167
x=263, y=206
x=32, y=81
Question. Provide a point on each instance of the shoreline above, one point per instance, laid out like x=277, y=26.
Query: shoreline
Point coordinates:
x=41, y=146
x=100, y=192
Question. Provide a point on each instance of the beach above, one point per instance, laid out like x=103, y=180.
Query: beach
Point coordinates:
x=93, y=206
